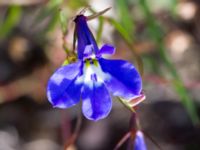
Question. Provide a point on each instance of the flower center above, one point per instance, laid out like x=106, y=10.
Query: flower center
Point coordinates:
x=92, y=72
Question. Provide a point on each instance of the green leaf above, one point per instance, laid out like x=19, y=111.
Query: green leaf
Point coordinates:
x=125, y=16
x=12, y=19
x=120, y=29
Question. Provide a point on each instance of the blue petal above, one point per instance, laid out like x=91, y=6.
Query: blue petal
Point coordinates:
x=125, y=80
x=62, y=89
x=96, y=101
x=106, y=49
x=88, y=51
x=84, y=36
x=139, y=141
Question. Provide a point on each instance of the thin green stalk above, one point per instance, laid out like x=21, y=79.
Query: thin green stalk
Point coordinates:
x=100, y=29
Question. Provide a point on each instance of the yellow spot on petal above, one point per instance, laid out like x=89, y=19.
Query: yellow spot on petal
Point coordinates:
x=95, y=62
x=87, y=63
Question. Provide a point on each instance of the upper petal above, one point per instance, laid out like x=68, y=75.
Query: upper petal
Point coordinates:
x=88, y=51
x=106, y=49
x=124, y=80
x=96, y=101
x=84, y=36
x=62, y=89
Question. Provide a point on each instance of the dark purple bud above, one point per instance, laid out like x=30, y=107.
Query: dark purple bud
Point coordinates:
x=139, y=141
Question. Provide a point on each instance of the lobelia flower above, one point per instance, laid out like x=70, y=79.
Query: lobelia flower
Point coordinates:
x=139, y=141
x=92, y=78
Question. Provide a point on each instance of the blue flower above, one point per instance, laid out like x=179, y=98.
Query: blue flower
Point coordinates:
x=92, y=78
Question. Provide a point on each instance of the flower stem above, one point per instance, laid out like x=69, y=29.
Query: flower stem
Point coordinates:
x=126, y=105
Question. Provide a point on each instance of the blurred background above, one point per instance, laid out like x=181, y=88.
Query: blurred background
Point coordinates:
x=162, y=39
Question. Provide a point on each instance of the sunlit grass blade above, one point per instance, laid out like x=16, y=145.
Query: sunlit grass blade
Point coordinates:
x=156, y=35
x=48, y=10
x=125, y=16
x=53, y=22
